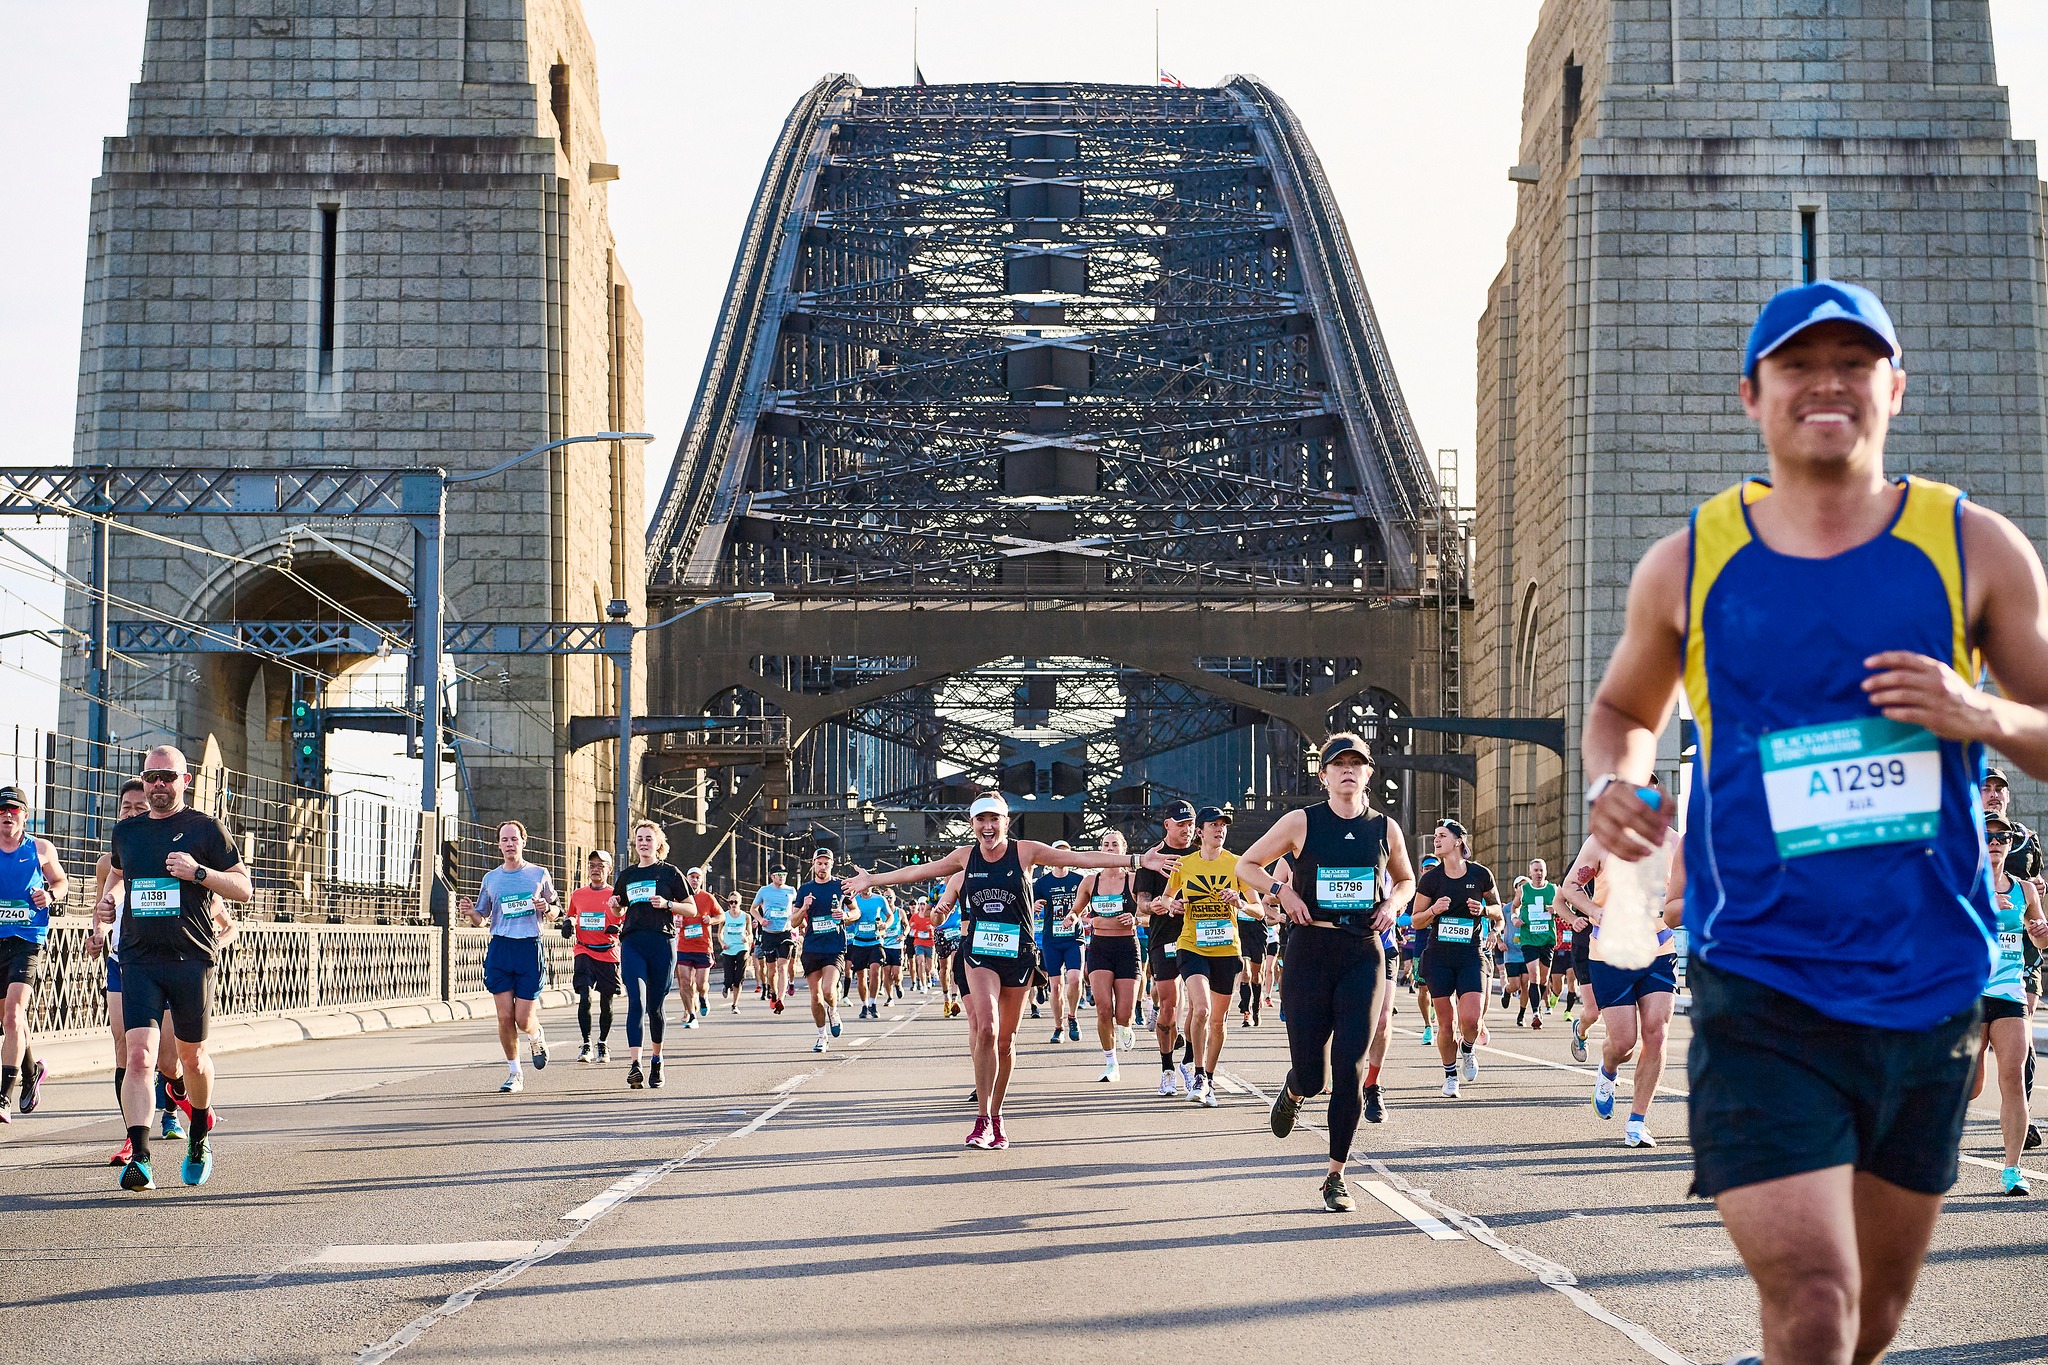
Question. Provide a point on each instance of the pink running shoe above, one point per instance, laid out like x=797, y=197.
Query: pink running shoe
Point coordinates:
x=979, y=1135
x=998, y=1140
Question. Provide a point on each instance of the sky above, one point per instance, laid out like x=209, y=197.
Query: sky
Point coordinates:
x=1413, y=108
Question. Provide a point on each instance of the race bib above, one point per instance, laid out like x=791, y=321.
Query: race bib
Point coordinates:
x=515, y=907
x=778, y=921
x=1851, y=783
x=591, y=919
x=2009, y=947
x=640, y=893
x=1344, y=888
x=1064, y=928
x=1272, y=933
x=1214, y=933
x=693, y=931
x=1453, y=929
x=1172, y=950
x=995, y=940
x=16, y=912
x=1537, y=918
x=155, y=897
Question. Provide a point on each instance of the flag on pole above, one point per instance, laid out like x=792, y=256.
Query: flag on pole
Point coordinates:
x=917, y=72
x=1168, y=78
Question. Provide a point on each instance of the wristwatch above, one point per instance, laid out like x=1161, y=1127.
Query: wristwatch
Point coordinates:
x=198, y=874
x=1601, y=784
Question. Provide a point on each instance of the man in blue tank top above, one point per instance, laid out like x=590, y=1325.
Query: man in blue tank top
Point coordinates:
x=1830, y=627
x=32, y=882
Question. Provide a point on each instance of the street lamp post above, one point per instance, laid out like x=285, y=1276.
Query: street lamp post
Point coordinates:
x=622, y=656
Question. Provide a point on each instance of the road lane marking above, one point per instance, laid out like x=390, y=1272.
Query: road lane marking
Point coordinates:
x=1999, y=1166
x=792, y=1083
x=1438, y=1230
x=624, y=1188
x=425, y=1253
x=1547, y=1272
x=860, y=1042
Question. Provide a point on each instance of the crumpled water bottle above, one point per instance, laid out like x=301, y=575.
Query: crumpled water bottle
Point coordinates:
x=1634, y=910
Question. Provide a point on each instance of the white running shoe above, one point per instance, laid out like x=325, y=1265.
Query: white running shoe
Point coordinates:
x=1209, y=1100
x=1201, y=1083
x=1450, y=1087
x=1468, y=1065
x=1636, y=1133
x=1166, y=1087
x=1187, y=1078
x=820, y=1045
x=1126, y=1040
x=1109, y=1071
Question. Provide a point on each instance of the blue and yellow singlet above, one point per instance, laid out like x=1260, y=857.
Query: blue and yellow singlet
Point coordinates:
x=1830, y=853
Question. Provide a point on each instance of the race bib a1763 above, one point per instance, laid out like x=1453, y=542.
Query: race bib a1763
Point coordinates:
x=1851, y=783
x=995, y=940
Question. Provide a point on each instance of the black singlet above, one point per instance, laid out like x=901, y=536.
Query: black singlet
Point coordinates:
x=994, y=890
x=1335, y=845
x=1146, y=882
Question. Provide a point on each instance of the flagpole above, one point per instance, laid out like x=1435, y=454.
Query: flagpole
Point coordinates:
x=1156, y=68
x=913, y=39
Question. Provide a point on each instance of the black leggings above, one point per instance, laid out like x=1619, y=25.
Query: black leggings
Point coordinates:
x=646, y=956
x=1331, y=981
x=604, y=1015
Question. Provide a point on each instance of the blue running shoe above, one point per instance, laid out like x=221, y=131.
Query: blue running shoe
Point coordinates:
x=1428, y=1035
x=135, y=1176
x=1603, y=1095
x=198, y=1166
x=835, y=1025
x=2013, y=1181
x=174, y=1124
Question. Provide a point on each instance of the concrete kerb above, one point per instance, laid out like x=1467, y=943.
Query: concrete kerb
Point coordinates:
x=76, y=1056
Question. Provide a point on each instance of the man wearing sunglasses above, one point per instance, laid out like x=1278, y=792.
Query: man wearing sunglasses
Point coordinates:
x=170, y=874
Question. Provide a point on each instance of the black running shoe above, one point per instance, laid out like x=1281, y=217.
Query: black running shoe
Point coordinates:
x=1336, y=1198
x=1285, y=1107
x=32, y=1087
x=654, y=1073
x=1375, y=1107
x=2033, y=1136
x=634, y=1080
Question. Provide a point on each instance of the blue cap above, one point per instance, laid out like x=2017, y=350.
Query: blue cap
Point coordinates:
x=1792, y=311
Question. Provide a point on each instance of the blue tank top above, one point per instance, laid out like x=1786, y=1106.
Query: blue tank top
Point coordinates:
x=867, y=930
x=2008, y=976
x=20, y=873
x=734, y=934
x=1830, y=853
x=950, y=925
x=892, y=927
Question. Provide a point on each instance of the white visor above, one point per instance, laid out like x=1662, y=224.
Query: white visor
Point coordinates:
x=988, y=805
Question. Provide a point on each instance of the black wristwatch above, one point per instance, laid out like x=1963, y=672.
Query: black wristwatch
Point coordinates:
x=198, y=874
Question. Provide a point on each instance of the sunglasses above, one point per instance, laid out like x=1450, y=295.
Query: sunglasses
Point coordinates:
x=161, y=775
x=1996, y=838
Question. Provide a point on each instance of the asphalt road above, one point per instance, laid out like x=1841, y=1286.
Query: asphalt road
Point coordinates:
x=376, y=1199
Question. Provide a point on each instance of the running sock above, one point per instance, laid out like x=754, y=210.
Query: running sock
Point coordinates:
x=202, y=1123
x=28, y=1064
x=163, y=1092
x=1607, y=1075
x=1166, y=1060
x=138, y=1142
x=1635, y=1118
x=7, y=1075
x=177, y=1086
x=1464, y=1048
x=1372, y=1075
x=120, y=1075
x=583, y=1018
x=1187, y=1052
x=512, y=1066
x=1109, y=1054
x=1200, y=1074
x=1450, y=1070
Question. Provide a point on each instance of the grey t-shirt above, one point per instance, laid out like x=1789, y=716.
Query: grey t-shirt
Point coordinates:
x=514, y=899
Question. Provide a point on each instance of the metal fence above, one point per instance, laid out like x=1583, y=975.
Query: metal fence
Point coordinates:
x=315, y=857
x=275, y=968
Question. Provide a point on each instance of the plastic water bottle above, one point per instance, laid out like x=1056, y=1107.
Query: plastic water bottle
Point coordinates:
x=1634, y=910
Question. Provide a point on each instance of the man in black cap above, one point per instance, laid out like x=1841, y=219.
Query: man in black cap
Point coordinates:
x=32, y=882
x=2023, y=861
x=1164, y=929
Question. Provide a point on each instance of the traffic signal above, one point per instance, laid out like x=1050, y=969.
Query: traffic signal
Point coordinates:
x=914, y=856
x=308, y=742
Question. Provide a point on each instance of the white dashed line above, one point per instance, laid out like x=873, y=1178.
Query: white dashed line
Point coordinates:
x=620, y=1190
x=792, y=1083
x=435, y=1253
x=1436, y=1228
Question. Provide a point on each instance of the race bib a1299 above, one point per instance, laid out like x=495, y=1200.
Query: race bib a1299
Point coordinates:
x=1851, y=783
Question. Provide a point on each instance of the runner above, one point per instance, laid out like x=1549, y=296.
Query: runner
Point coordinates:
x=32, y=884
x=1452, y=899
x=1163, y=929
x=651, y=893
x=1104, y=899
x=169, y=877
x=1535, y=915
x=697, y=918
x=1348, y=880
x=106, y=941
x=1205, y=892
x=1054, y=899
x=894, y=925
x=823, y=919
x=1251, y=944
x=1823, y=626
x=2024, y=862
x=922, y=943
x=2007, y=1032
x=597, y=926
x=948, y=913
x=1507, y=950
x=1000, y=957
x=864, y=956
x=772, y=908
x=1419, y=941
x=1637, y=1005
x=736, y=943
x=1577, y=891
x=515, y=898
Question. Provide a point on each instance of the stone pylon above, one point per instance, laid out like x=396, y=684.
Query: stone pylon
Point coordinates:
x=1680, y=161
x=370, y=232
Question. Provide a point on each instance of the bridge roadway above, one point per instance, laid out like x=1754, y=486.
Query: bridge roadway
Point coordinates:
x=376, y=1198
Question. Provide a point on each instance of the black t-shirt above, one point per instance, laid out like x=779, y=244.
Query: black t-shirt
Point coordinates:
x=658, y=879
x=1146, y=882
x=164, y=919
x=823, y=933
x=1455, y=935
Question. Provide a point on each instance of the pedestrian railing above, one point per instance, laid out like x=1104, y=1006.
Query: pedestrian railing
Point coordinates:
x=273, y=969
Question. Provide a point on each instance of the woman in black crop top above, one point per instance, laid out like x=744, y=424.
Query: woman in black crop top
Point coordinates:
x=1349, y=877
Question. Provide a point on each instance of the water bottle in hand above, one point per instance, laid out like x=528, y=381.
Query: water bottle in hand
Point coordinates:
x=1634, y=909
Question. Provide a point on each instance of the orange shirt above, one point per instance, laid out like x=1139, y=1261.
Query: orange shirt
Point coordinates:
x=695, y=925
x=597, y=924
